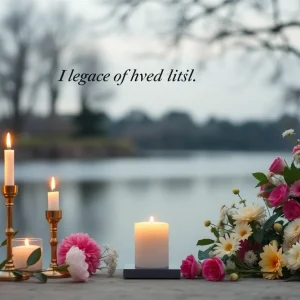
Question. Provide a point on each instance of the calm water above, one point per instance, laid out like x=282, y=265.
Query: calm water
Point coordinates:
x=105, y=198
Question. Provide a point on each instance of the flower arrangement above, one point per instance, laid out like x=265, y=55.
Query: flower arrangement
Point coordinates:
x=252, y=239
x=81, y=256
x=78, y=254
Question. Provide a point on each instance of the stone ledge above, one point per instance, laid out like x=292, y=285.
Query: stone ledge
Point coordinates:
x=113, y=288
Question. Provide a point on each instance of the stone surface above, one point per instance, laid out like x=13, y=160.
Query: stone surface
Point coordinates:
x=102, y=287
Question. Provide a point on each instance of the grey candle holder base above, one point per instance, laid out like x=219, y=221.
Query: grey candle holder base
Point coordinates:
x=146, y=273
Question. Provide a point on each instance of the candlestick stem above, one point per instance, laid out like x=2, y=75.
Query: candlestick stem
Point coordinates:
x=9, y=192
x=53, y=217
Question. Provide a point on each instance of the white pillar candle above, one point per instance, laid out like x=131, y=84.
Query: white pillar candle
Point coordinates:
x=21, y=254
x=151, y=244
x=53, y=197
x=9, y=163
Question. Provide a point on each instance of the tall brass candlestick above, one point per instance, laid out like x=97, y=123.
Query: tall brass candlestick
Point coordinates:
x=53, y=217
x=9, y=192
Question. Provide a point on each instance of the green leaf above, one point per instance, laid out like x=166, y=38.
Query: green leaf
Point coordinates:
x=270, y=221
x=278, y=211
x=258, y=235
x=34, y=257
x=61, y=268
x=291, y=174
x=269, y=188
x=40, y=276
x=205, y=242
x=215, y=232
x=5, y=241
x=261, y=177
x=18, y=274
x=2, y=265
x=204, y=254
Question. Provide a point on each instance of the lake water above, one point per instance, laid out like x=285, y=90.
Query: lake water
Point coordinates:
x=106, y=197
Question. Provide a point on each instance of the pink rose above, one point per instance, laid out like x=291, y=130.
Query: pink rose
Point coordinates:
x=279, y=195
x=291, y=210
x=277, y=166
x=190, y=267
x=213, y=269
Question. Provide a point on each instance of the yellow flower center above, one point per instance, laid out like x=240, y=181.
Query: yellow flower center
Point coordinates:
x=243, y=232
x=227, y=247
x=296, y=228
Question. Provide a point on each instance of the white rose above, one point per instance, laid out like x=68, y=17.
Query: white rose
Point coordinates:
x=77, y=267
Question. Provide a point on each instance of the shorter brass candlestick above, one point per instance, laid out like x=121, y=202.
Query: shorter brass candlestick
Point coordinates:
x=10, y=192
x=53, y=217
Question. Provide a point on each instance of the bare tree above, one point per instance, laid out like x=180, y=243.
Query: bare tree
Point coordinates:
x=17, y=39
x=91, y=120
x=60, y=30
x=92, y=93
x=268, y=29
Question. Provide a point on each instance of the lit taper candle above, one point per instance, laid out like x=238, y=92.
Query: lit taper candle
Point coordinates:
x=53, y=197
x=9, y=163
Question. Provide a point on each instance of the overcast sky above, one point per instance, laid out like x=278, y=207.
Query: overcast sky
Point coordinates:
x=227, y=88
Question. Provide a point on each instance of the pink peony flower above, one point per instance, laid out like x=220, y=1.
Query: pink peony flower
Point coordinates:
x=295, y=189
x=263, y=193
x=89, y=246
x=78, y=268
x=190, y=267
x=291, y=210
x=213, y=269
x=279, y=195
x=277, y=166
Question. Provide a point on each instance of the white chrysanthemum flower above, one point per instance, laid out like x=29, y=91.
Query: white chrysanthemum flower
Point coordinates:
x=223, y=213
x=296, y=156
x=262, y=222
x=230, y=265
x=249, y=213
x=293, y=257
x=250, y=258
x=227, y=246
x=242, y=231
x=292, y=231
x=231, y=211
x=288, y=132
x=222, y=232
x=211, y=253
x=275, y=179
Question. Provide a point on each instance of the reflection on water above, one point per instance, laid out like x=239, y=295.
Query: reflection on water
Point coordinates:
x=106, y=198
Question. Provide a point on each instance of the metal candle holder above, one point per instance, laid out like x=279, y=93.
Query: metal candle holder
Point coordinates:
x=53, y=217
x=9, y=192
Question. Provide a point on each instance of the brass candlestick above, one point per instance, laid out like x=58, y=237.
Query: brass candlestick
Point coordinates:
x=9, y=192
x=53, y=217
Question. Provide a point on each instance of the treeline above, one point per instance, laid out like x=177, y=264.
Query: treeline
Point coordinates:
x=177, y=130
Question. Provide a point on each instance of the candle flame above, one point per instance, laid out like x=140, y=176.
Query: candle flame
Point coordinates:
x=8, y=141
x=26, y=242
x=52, y=184
x=151, y=219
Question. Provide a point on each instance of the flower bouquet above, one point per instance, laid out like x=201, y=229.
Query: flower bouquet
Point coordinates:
x=252, y=239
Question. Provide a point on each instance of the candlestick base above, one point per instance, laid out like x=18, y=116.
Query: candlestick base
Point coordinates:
x=10, y=276
x=146, y=273
x=50, y=273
